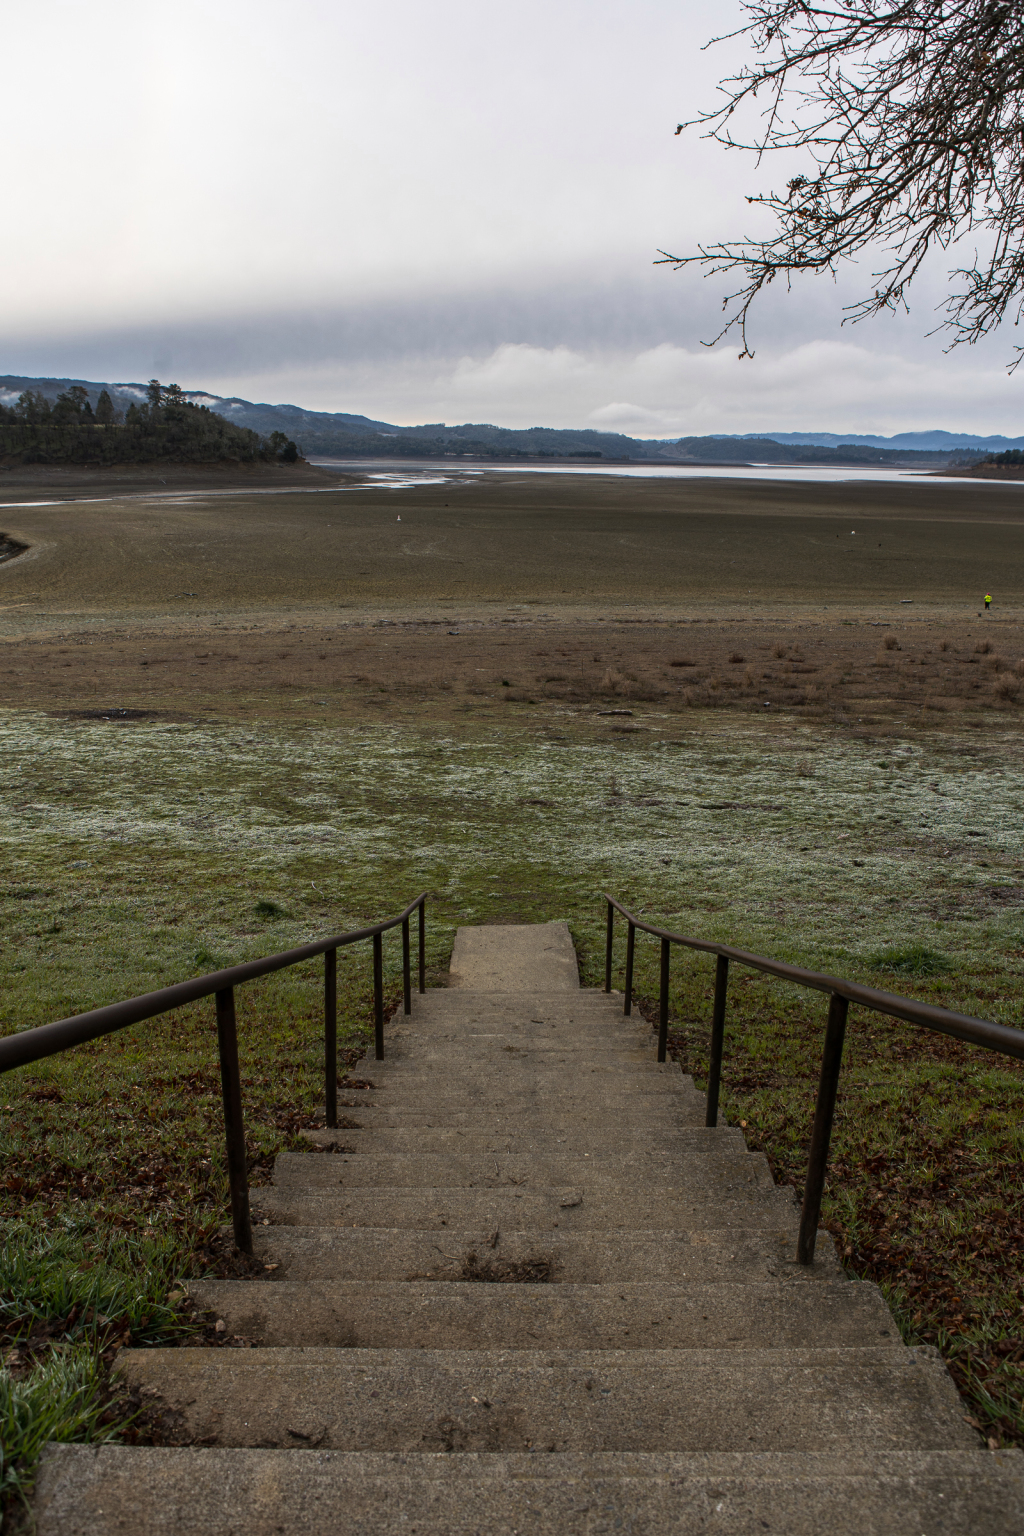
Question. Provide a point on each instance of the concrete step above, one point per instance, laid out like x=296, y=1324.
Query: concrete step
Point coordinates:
x=117, y=1490
x=533, y=1007
x=571, y=1209
x=590, y=1011
x=684, y=1113
x=501, y=958
x=568, y=1141
x=554, y=1399
x=632, y=1101
x=424, y=1314
x=369, y=1253
x=495, y=1062
x=709, y=1173
x=534, y=1002
x=471, y=1051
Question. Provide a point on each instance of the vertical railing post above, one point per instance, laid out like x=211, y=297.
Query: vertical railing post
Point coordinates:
x=331, y=1037
x=821, y=1136
x=423, y=946
x=609, y=934
x=717, y=1040
x=234, y=1131
x=663, y=1002
x=406, y=976
x=378, y=995
x=627, y=1006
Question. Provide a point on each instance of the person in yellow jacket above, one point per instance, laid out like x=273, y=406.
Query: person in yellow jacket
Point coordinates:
x=988, y=601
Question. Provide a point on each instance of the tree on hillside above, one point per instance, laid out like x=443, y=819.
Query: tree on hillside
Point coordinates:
x=283, y=447
x=154, y=394
x=32, y=407
x=72, y=404
x=105, y=409
x=910, y=113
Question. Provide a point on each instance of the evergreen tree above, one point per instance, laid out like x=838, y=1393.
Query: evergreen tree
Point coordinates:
x=105, y=409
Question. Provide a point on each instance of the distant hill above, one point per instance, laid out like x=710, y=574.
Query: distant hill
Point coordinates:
x=766, y=450
x=932, y=442
x=67, y=427
x=341, y=434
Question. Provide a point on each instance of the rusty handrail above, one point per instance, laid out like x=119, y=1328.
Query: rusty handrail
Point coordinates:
x=982, y=1032
x=44, y=1040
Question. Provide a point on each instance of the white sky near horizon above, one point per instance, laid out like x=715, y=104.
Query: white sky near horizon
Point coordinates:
x=425, y=212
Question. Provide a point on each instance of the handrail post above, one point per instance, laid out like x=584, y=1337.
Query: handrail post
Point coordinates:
x=406, y=976
x=821, y=1136
x=378, y=995
x=331, y=1038
x=717, y=1040
x=627, y=1006
x=663, y=1002
x=423, y=945
x=609, y=933
x=234, y=1131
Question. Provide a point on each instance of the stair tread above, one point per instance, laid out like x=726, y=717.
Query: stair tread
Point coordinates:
x=213, y=1491
x=381, y=1253
x=649, y=1399
x=468, y=1314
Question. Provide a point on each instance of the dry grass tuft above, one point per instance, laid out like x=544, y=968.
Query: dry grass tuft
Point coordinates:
x=891, y=643
x=735, y=658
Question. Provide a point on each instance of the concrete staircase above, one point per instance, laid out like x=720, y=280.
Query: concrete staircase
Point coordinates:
x=662, y=1365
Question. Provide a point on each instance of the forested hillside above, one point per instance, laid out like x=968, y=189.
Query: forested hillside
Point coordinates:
x=765, y=450
x=163, y=427
x=60, y=420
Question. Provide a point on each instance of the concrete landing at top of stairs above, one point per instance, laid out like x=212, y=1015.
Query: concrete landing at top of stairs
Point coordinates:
x=536, y=957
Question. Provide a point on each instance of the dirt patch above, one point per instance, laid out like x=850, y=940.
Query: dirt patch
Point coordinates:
x=573, y=675
x=115, y=715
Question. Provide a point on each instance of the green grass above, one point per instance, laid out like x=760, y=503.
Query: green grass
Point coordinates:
x=65, y=1396
x=70, y=1294
x=915, y=960
x=137, y=856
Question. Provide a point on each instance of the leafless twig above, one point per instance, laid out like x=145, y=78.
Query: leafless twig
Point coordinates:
x=911, y=115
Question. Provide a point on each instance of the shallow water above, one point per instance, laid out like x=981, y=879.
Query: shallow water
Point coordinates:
x=424, y=473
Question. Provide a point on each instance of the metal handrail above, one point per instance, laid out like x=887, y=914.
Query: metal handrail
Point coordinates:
x=49, y=1039
x=983, y=1032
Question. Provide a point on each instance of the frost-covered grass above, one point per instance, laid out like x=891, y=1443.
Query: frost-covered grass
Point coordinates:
x=136, y=855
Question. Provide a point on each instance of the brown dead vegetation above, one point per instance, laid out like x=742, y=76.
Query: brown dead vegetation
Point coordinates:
x=932, y=673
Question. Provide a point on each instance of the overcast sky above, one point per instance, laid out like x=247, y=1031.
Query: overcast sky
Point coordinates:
x=423, y=210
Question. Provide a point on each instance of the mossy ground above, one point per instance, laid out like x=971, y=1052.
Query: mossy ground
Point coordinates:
x=138, y=854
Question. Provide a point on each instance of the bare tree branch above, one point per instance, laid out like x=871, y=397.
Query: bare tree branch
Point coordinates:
x=911, y=116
